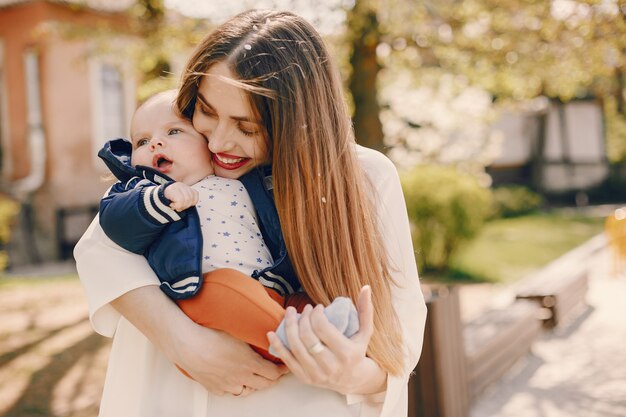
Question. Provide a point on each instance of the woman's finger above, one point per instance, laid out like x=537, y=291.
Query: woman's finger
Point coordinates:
x=327, y=333
x=266, y=369
x=258, y=382
x=298, y=349
x=242, y=391
x=365, y=309
x=307, y=335
x=286, y=356
x=322, y=355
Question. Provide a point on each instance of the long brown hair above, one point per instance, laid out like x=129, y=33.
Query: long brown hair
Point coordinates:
x=326, y=212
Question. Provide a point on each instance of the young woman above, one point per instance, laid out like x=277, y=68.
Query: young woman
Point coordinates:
x=262, y=89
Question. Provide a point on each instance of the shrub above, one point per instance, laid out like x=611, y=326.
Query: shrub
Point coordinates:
x=446, y=208
x=514, y=200
x=8, y=211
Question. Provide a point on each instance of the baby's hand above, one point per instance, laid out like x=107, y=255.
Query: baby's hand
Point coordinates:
x=181, y=195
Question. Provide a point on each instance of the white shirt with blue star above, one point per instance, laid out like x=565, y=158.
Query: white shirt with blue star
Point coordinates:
x=230, y=231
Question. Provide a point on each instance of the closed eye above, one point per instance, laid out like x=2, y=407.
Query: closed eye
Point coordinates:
x=247, y=132
x=205, y=110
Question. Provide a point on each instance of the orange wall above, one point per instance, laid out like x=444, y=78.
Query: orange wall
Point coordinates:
x=62, y=83
x=72, y=177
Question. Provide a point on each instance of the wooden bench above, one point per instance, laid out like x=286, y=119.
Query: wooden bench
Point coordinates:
x=438, y=387
x=559, y=295
x=496, y=340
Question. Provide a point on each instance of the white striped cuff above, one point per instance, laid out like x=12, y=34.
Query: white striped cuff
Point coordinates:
x=157, y=208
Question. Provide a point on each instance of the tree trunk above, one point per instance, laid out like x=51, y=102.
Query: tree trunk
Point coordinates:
x=365, y=37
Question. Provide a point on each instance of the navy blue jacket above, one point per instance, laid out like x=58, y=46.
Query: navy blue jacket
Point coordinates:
x=136, y=215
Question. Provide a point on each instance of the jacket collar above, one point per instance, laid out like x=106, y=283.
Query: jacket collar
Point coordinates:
x=116, y=155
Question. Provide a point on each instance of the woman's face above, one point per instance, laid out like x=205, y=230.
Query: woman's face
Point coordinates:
x=224, y=116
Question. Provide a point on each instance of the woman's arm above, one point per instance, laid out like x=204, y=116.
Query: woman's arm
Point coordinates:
x=231, y=363
x=119, y=282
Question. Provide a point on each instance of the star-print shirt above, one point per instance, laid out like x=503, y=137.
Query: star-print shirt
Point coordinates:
x=231, y=236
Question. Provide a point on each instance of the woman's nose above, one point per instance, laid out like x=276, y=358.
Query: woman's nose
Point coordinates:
x=220, y=140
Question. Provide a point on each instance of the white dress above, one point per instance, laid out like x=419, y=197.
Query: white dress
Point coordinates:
x=141, y=382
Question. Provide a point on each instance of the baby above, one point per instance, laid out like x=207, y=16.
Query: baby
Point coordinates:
x=199, y=232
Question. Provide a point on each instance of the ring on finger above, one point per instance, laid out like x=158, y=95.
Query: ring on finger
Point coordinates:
x=316, y=348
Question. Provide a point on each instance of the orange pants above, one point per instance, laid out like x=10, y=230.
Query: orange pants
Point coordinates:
x=241, y=306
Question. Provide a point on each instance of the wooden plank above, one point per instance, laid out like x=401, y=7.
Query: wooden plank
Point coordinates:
x=489, y=369
x=517, y=351
x=496, y=340
x=561, y=294
x=439, y=387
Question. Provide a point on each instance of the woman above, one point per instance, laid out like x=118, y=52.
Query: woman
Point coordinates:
x=262, y=89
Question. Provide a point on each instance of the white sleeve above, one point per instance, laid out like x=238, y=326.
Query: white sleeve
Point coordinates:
x=107, y=271
x=407, y=297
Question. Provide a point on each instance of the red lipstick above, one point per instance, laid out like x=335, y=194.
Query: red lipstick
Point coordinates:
x=229, y=166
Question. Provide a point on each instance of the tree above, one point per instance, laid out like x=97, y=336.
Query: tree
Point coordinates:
x=364, y=35
x=515, y=50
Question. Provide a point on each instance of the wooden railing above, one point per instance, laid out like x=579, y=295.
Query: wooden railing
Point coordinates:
x=459, y=361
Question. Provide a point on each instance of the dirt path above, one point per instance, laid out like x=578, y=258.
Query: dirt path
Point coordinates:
x=51, y=362
x=577, y=371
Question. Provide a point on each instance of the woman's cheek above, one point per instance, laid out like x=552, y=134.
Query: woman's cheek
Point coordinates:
x=201, y=124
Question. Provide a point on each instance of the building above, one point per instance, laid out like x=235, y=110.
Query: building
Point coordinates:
x=557, y=148
x=59, y=101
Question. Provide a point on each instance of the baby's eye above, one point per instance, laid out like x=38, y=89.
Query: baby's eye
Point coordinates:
x=141, y=142
x=174, y=131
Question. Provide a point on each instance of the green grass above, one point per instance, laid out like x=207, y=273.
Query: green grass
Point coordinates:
x=508, y=249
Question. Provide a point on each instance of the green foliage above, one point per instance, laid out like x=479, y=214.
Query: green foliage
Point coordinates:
x=8, y=211
x=446, y=209
x=513, y=49
x=615, y=131
x=514, y=200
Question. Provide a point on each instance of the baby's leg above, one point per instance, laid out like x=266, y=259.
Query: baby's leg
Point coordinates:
x=238, y=305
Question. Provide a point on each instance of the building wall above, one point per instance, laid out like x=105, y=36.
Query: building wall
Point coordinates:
x=72, y=173
x=574, y=151
x=17, y=25
x=573, y=156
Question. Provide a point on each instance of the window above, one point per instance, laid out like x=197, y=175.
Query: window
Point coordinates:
x=112, y=102
x=111, y=99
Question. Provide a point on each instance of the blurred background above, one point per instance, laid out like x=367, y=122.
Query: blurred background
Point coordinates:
x=505, y=118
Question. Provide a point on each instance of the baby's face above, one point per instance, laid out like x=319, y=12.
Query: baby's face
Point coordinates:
x=167, y=142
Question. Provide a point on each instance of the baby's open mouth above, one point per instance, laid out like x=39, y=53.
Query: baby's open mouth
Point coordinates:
x=161, y=162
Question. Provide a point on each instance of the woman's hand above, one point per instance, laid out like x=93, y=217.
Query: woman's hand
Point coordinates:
x=322, y=356
x=223, y=364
